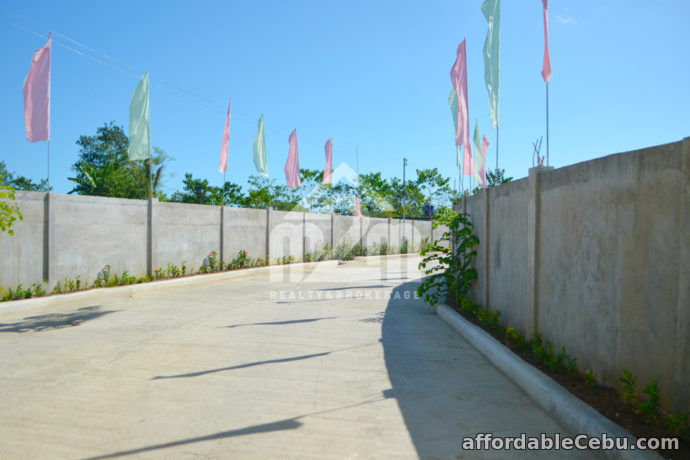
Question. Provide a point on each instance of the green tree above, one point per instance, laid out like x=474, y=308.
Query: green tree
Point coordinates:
x=493, y=179
x=434, y=189
x=199, y=191
x=8, y=179
x=376, y=195
x=104, y=169
x=264, y=192
x=9, y=212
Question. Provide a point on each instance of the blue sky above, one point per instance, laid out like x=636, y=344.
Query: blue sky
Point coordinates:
x=372, y=75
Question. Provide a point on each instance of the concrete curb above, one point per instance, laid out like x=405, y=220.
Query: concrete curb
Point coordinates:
x=36, y=302
x=572, y=413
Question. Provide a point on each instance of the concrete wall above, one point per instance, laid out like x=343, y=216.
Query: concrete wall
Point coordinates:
x=375, y=230
x=596, y=256
x=71, y=235
x=244, y=229
x=317, y=231
x=286, y=234
x=185, y=233
x=21, y=255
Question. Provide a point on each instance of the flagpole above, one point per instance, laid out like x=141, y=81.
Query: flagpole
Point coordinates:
x=496, y=147
x=48, y=168
x=547, y=123
x=223, y=190
x=150, y=174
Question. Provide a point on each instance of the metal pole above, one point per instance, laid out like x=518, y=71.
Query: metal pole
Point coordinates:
x=359, y=189
x=48, y=165
x=403, y=200
x=223, y=190
x=547, y=123
x=496, y=146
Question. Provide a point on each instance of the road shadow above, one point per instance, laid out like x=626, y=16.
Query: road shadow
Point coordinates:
x=55, y=320
x=287, y=424
x=240, y=366
x=370, y=286
x=424, y=379
x=447, y=390
x=282, y=323
x=281, y=425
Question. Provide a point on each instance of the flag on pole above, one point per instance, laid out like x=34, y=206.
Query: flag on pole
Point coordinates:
x=226, y=137
x=453, y=101
x=292, y=164
x=492, y=52
x=358, y=209
x=458, y=76
x=479, y=158
x=482, y=171
x=546, y=68
x=139, y=122
x=328, y=171
x=260, y=161
x=37, y=95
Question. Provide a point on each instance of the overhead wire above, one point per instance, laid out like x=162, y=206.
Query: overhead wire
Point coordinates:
x=161, y=84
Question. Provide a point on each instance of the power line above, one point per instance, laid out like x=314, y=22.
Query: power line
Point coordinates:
x=164, y=84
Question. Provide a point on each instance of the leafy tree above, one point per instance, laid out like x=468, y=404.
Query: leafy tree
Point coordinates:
x=376, y=195
x=233, y=195
x=493, y=179
x=104, y=169
x=8, y=212
x=496, y=177
x=199, y=191
x=8, y=179
x=264, y=192
x=434, y=188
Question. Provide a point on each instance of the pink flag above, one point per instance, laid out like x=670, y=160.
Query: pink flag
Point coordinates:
x=546, y=70
x=458, y=76
x=328, y=171
x=226, y=137
x=482, y=170
x=467, y=163
x=292, y=165
x=37, y=96
x=358, y=209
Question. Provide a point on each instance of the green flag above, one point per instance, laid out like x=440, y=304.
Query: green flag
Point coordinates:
x=139, y=122
x=478, y=153
x=453, y=102
x=492, y=52
x=260, y=149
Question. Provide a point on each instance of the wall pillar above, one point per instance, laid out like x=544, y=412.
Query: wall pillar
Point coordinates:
x=389, y=233
x=304, y=236
x=47, y=239
x=268, y=235
x=151, y=246
x=533, y=213
x=332, y=230
x=486, y=253
x=222, y=223
x=682, y=360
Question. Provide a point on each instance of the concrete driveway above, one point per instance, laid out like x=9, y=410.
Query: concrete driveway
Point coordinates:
x=335, y=362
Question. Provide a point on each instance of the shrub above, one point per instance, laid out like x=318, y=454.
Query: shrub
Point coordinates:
x=629, y=392
x=241, y=260
x=449, y=271
x=651, y=405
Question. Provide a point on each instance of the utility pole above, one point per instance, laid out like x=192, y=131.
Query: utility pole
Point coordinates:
x=404, y=199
